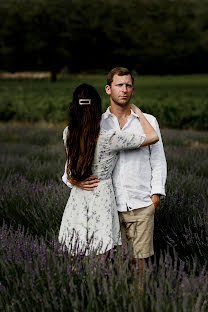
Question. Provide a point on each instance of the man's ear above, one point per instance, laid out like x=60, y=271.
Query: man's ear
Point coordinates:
x=108, y=89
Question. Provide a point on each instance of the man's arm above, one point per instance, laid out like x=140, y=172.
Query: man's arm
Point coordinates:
x=159, y=167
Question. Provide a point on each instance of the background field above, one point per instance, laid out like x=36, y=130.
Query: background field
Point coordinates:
x=36, y=276
x=92, y=36
x=176, y=101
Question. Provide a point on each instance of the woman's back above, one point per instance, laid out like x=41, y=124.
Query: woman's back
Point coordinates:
x=109, y=144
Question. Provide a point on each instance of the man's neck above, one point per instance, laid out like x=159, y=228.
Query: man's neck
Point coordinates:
x=120, y=112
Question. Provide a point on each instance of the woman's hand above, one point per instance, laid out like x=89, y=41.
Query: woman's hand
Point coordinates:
x=136, y=109
x=151, y=134
x=88, y=184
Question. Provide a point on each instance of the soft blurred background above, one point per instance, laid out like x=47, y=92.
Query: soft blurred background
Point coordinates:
x=71, y=41
x=47, y=48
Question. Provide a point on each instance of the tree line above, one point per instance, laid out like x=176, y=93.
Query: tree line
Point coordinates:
x=148, y=36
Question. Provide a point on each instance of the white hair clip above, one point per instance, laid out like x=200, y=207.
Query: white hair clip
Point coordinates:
x=84, y=101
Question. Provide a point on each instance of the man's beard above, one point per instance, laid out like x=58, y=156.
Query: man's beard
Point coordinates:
x=122, y=103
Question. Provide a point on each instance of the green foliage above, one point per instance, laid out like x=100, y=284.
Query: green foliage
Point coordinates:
x=159, y=36
x=176, y=101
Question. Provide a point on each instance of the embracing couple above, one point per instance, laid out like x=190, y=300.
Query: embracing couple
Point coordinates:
x=116, y=168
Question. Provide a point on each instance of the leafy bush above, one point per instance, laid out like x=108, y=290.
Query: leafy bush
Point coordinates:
x=177, y=102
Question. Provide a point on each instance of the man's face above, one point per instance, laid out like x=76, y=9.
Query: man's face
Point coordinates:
x=121, y=90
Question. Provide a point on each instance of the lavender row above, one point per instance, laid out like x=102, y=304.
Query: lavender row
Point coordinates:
x=38, y=277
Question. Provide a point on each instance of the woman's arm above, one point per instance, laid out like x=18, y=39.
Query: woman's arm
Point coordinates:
x=151, y=134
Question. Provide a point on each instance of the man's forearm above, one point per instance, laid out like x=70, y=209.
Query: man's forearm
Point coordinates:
x=158, y=165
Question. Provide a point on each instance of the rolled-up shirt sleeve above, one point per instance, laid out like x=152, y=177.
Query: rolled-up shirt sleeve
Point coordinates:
x=121, y=140
x=158, y=164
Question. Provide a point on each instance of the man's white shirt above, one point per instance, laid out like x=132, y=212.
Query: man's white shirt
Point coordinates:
x=139, y=173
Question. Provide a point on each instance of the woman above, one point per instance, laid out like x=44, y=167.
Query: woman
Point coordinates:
x=90, y=220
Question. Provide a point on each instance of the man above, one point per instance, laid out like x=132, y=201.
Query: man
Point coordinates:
x=140, y=175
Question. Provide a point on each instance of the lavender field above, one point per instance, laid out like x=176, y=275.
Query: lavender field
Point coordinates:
x=35, y=275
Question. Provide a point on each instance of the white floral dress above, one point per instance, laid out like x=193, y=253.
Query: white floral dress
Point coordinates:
x=90, y=220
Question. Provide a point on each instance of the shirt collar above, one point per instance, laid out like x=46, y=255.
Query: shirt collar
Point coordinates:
x=108, y=113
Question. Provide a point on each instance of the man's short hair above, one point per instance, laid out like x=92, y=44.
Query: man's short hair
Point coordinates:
x=120, y=71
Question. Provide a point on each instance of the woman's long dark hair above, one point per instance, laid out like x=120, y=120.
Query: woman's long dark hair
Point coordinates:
x=83, y=131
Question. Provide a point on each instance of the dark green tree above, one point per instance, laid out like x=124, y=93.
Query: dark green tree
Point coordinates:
x=154, y=36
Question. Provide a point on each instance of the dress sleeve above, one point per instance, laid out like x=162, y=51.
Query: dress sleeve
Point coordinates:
x=122, y=140
x=64, y=177
x=65, y=132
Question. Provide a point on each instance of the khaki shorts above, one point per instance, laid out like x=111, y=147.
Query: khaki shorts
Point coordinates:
x=137, y=228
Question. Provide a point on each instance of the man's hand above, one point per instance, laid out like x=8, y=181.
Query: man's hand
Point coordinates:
x=155, y=199
x=88, y=184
